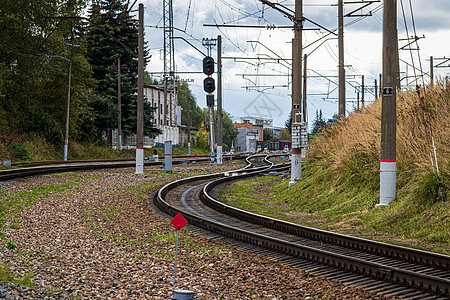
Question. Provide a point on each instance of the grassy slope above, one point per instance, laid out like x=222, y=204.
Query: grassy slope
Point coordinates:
x=34, y=148
x=340, y=185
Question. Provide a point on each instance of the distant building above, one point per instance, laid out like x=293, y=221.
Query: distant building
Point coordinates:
x=257, y=121
x=166, y=117
x=247, y=139
x=250, y=126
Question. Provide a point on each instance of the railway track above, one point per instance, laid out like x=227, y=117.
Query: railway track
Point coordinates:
x=383, y=268
x=48, y=167
x=379, y=267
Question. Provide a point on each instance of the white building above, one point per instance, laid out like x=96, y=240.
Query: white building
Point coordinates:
x=167, y=115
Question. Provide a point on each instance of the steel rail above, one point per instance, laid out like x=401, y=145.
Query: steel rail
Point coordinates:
x=65, y=162
x=42, y=170
x=380, y=271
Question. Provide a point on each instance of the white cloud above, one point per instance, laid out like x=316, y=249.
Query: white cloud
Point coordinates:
x=362, y=46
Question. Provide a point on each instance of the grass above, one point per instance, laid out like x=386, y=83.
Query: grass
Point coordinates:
x=340, y=185
x=7, y=276
x=32, y=147
x=12, y=204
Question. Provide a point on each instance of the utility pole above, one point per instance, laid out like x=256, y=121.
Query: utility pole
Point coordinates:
x=219, y=133
x=304, y=106
x=189, y=124
x=341, y=58
x=431, y=71
x=391, y=78
x=119, y=107
x=140, y=99
x=362, y=91
x=381, y=85
x=296, y=165
x=357, y=101
x=66, y=138
x=376, y=89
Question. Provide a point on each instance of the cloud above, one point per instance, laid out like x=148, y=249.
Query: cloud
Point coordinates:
x=362, y=45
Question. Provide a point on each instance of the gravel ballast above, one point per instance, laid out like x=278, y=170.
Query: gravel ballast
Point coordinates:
x=93, y=235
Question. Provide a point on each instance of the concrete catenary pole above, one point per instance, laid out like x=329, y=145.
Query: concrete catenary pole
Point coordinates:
x=140, y=99
x=431, y=71
x=119, y=107
x=305, y=78
x=296, y=165
x=66, y=137
x=381, y=85
x=391, y=82
x=362, y=91
x=376, y=89
x=189, y=124
x=219, y=126
x=341, y=58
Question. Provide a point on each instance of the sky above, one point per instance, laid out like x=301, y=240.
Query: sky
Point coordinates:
x=263, y=87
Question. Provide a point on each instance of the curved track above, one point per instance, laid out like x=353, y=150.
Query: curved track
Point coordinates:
x=398, y=271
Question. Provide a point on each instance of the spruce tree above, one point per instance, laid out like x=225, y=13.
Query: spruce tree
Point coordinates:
x=113, y=17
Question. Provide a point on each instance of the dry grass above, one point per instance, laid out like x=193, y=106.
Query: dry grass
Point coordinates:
x=353, y=144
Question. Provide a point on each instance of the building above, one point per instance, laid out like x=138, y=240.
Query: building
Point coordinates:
x=167, y=114
x=260, y=121
x=246, y=140
x=250, y=126
x=166, y=117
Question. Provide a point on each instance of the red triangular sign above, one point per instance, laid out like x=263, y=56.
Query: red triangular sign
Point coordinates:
x=179, y=221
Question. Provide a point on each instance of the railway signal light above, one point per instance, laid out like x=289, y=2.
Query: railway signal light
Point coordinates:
x=208, y=65
x=209, y=85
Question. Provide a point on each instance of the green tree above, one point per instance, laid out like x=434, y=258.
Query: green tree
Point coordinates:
x=195, y=112
x=113, y=17
x=267, y=134
x=288, y=124
x=229, y=132
x=284, y=135
x=319, y=122
x=34, y=69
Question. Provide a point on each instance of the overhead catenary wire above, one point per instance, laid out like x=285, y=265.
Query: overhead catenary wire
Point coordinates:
x=422, y=97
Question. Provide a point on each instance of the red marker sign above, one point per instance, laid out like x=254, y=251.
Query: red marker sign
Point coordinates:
x=179, y=221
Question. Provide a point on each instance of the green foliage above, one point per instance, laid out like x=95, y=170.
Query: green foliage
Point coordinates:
x=432, y=188
x=104, y=115
x=195, y=112
x=229, y=132
x=46, y=126
x=267, y=134
x=319, y=122
x=33, y=70
x=19, y=151
x=284, y=134
x=202, y=138
x=10, y=245
x=7, y=276
x=112, y=16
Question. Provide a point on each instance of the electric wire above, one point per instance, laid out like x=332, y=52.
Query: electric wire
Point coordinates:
x=422, y=99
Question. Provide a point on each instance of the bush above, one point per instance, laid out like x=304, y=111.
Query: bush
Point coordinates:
x=46, y=126
x=19, y=151
x=432, y=188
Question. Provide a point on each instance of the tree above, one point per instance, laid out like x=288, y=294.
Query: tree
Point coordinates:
x=229, y=132
x=267, y=134
x=34, y=69
x=284, y=135
x=113, y=17
x=319, y=122
x=288, y=124
x=195, y=112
